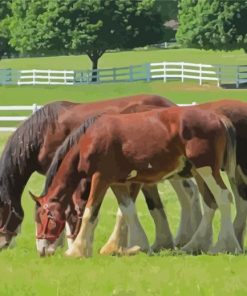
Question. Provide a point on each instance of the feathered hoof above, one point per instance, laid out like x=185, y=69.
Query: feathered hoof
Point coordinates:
x=129, y=251
x=234, y=249
x=157, y=247
x=109, y=249
x=74, y=253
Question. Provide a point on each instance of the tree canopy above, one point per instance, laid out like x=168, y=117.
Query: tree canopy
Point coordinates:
x=213, y=24
x=84, y=26
x=5, y=13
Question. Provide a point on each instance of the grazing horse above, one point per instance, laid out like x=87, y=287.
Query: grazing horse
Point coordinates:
x=117, y=243
x=236, y=112
x=115, y=151
x=33, y=145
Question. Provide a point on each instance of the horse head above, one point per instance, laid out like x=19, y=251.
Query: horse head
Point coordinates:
x=50, y=221
x=10, y=221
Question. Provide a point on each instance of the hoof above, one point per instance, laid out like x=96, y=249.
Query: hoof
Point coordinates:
x=73, y=253
x=195, y=249
x=157, y=247
x=221, y=249
x=109, y=249
x=129, y=251
x=181, y=241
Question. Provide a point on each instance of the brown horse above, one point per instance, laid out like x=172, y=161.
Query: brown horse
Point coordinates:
x=236, y=112
x=115, y=150
x=189, y=219
x=32, y=147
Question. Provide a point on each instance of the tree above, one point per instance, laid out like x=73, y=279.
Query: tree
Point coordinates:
x=90, y=26
x=213, y=24
x=5, y=13
x=169, y=11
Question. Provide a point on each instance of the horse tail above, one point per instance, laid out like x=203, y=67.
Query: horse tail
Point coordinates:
x=230, y=161
x=62, y=150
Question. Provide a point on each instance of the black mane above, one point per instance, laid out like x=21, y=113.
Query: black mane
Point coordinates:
x=72, y=139
x=19, y=156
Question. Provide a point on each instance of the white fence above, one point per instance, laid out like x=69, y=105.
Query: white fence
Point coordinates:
x=221, y=74
x=146, y=72
x=32, y=108
x=174, y=70
x=241, y=75
x=50, y=77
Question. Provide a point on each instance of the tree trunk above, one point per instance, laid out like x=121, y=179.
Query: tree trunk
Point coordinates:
x=94, y=69
x=94, y=56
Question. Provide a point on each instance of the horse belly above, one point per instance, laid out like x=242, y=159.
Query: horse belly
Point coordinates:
x=155, y=174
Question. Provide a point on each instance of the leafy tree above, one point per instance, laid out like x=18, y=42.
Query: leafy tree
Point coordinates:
x=90, y=26
x=213, y=24
x=168, y=9
x=5, y=13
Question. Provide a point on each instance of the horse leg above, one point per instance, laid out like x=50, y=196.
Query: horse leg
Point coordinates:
x=163, y=235
x=227, y=241
x=75, y=211
x=191, y=214
x=137, y=239
x=203, y=237
x=83, y=244
x=118, y=239
x=239, y=189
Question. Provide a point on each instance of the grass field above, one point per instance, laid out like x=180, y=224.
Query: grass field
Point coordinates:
x=126, y=58
x=22, y=272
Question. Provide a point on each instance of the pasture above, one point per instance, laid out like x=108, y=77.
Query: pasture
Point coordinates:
x=167, y=273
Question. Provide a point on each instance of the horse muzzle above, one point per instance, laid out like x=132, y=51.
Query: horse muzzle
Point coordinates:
x=46, y=247
x=5, y=240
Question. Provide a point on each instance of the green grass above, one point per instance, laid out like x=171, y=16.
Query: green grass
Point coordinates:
x=22, y=272
x=177, y=91
x=126, y=58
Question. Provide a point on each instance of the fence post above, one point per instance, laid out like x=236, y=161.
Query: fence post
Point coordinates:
x=148, y=72
x=98, y=75
x=164, y=64
x=237, y=77
x=114, y=74
x=34, y=76
x=182, y=71
x=64, y=77
x=35, y=108
x=131, y=73
x=49, y=76
x=200, y=74
x=219, y=75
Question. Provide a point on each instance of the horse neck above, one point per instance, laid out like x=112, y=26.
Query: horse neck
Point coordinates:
x=14, y=176
x=66, y=180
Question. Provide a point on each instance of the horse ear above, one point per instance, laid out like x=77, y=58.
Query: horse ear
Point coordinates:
x=34, y=197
